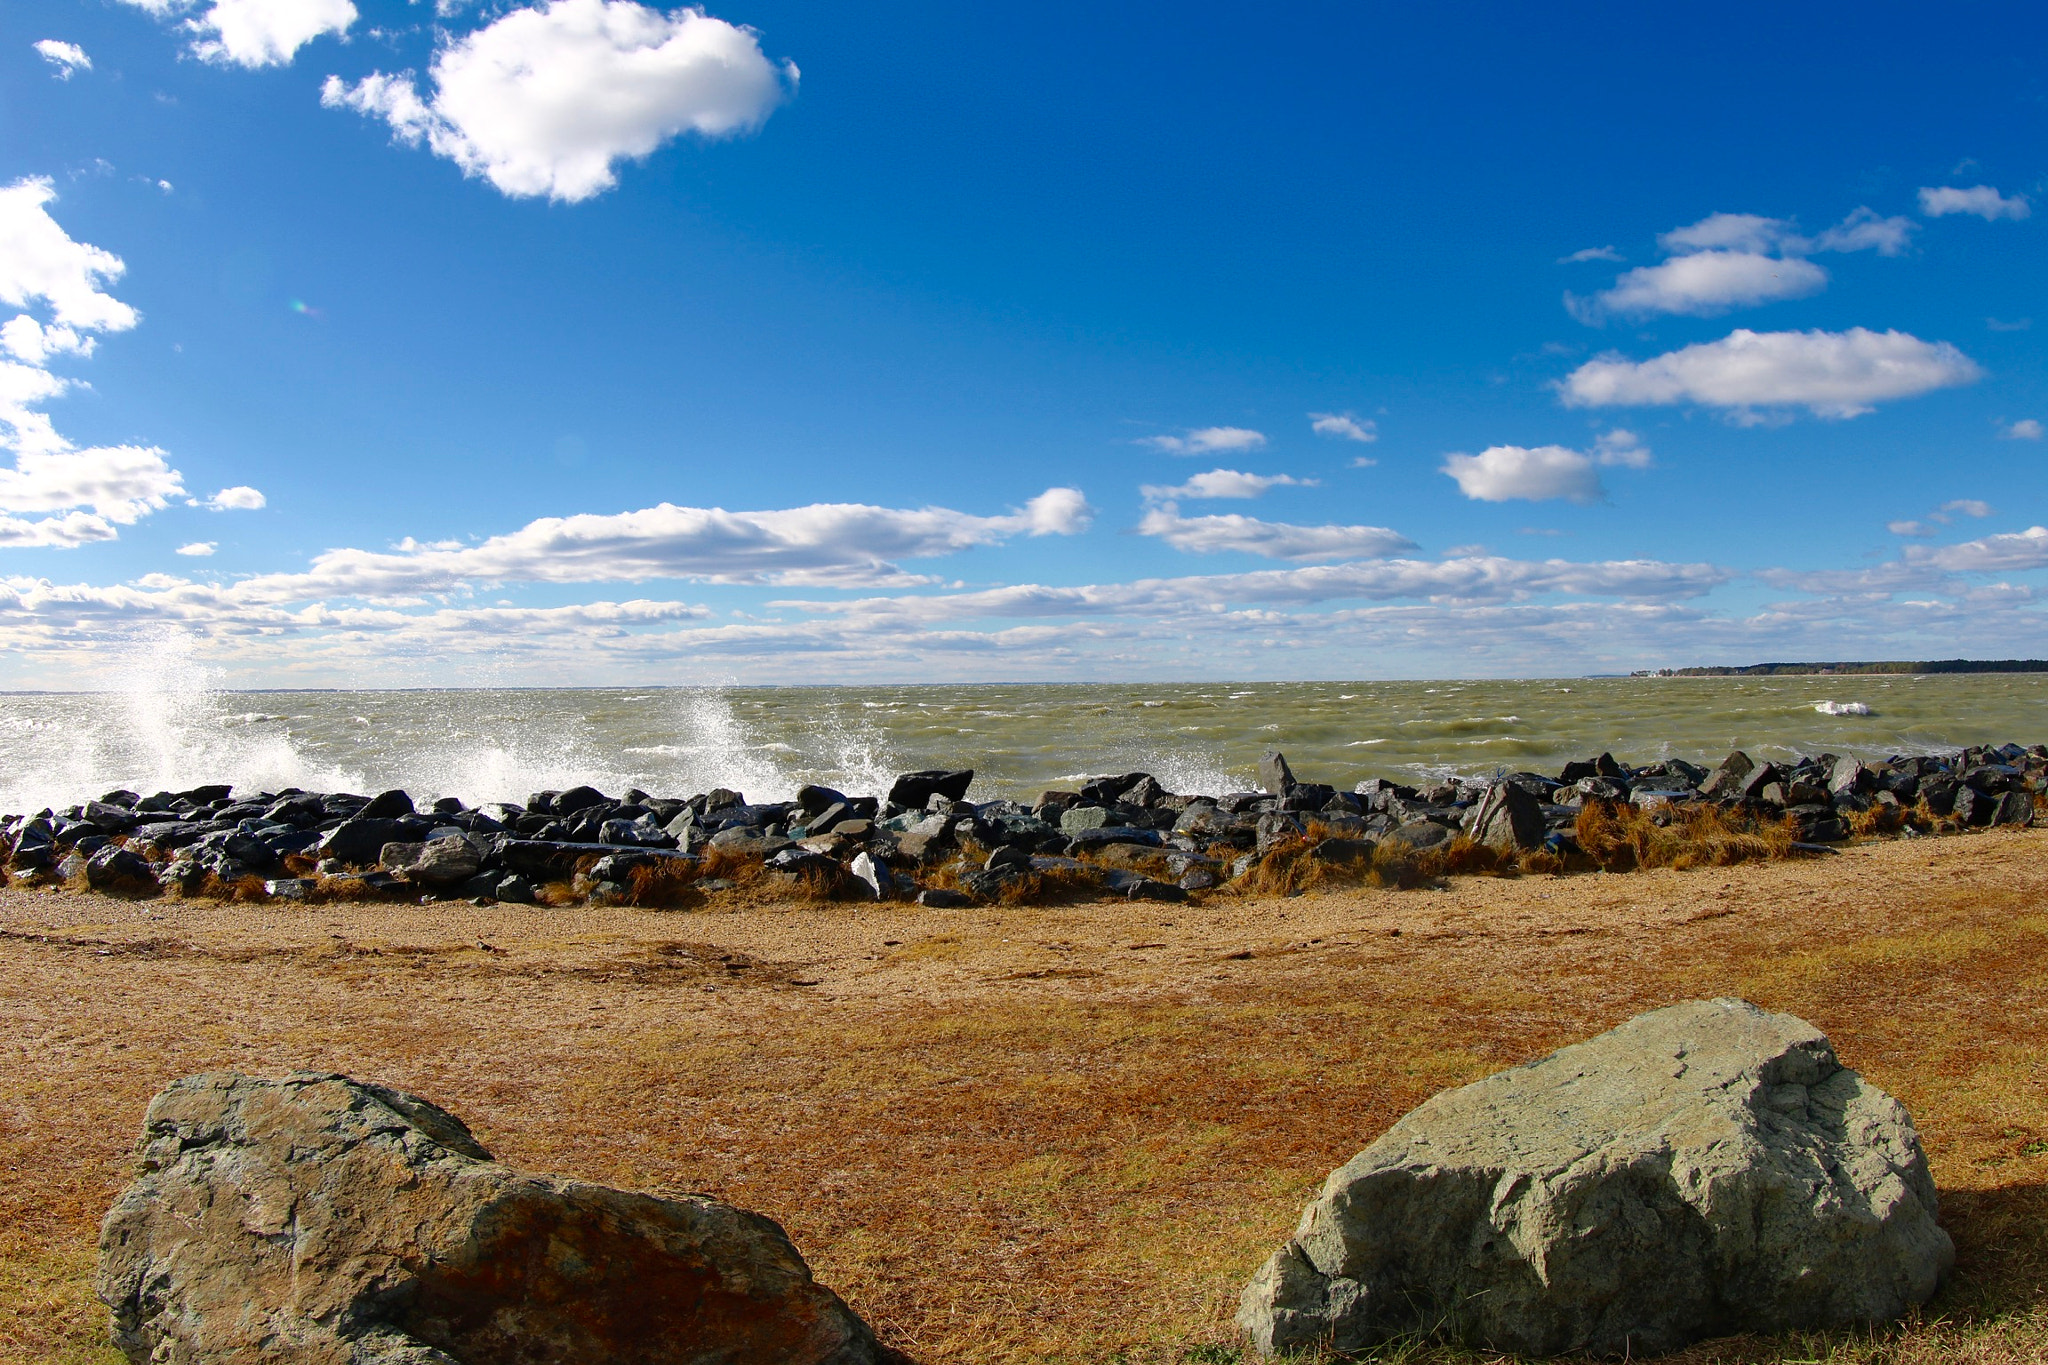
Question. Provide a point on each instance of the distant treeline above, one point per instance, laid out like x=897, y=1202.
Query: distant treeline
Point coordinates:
x=1880, y=666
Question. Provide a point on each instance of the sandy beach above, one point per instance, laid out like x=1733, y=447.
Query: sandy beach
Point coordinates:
x=1032, y=1133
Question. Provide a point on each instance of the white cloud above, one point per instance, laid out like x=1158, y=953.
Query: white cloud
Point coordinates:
x=822, y=544
x=1910, y=528
x=2008, y=553
x=1621, y=447
x=1270, y=539
x=65, y=59
x=2026, y=429
x=1534, y=474
x=1969, y=507
x=1224, y=483
x=39, y=263
x=254, y=33
x=1207, y=441
x=199, y=548
x=1545, y=473
x=1728, y=232
x=1737, y=260
x=239, y=498
x=25, y=338
x=1591, y=253
x=1704, y=283
x=120, y=483
x=54, y=533
x=1866, y=230
x=1831, y=374
x=1982, y=200
x=1348, y=426
x=544, y=100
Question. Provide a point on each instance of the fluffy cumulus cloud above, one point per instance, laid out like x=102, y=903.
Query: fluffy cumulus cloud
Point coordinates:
x=240, y=498
x=253, y=32
x=1207, y=441
x=1223, y=483
x=1346, y=426
x=199, y=549
x=1981, y=200
x=1269, y=539
x=55, y=495
x=65, y=59
x=2026, y=429
x=2011, y=552
x=1544, y=473
x=1737, y=260
x=546, y=100
x=1830, y=374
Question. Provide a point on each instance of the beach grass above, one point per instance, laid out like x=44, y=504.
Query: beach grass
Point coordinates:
x=1063, y=1134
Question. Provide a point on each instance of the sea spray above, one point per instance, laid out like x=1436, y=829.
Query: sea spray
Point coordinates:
x=163, y=724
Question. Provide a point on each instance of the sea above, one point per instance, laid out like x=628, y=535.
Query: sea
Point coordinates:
x=501, y=745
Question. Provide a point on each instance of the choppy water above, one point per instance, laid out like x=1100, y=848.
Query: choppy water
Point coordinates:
x=500, y=745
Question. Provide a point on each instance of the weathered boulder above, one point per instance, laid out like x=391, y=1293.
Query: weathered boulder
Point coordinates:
x=1506, y=818
x=1725, y=782
x=1703, y=1169
x=321, y=1221
x=1274, y=774
x=435, y=862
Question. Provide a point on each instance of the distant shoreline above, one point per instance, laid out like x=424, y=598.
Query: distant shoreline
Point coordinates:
x=1891, y=666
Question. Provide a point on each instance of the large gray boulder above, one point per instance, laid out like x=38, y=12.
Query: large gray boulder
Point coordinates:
x=1703, y=1169
x=321, y=1221
x=1506, y=819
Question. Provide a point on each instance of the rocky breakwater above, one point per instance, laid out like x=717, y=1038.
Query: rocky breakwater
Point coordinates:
x=321, y=1221
x=1701, y=1170
x=1121, y=835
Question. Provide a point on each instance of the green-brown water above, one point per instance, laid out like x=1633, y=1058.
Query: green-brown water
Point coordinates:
x=494, y=745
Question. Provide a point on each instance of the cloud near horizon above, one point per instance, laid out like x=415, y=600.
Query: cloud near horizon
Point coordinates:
x=546, y=100
x=1268, y=539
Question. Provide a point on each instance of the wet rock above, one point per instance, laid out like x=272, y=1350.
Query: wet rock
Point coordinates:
x=576, y=799
x=1702, y=1170
x=1274, y=774
x=915, y=790
x=2013, y=808
x=320, y=1219
x=358, y=841
x=387, y=806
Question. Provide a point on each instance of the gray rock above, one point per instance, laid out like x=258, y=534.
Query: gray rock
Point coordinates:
x=915, y=790
x=1506, y=818
x=1276, y=828
x=874, y=874
x=1702, y=1170
x=116, y=869
x=318, y=1219
x=1420, y=834
x=1725, y=782
x=1074, y=819
x=1274, y=774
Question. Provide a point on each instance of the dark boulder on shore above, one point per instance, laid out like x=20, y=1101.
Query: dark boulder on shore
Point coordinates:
x=925, y=834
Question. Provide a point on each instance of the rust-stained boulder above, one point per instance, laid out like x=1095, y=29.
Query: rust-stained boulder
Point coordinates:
x=322, y=1221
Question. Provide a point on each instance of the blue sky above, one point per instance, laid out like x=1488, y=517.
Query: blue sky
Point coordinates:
x=365, y=342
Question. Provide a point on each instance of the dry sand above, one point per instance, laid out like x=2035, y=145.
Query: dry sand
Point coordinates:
x=1064, y=1133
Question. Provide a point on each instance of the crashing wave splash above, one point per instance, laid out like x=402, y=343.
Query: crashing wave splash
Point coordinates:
x=1843, y=708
